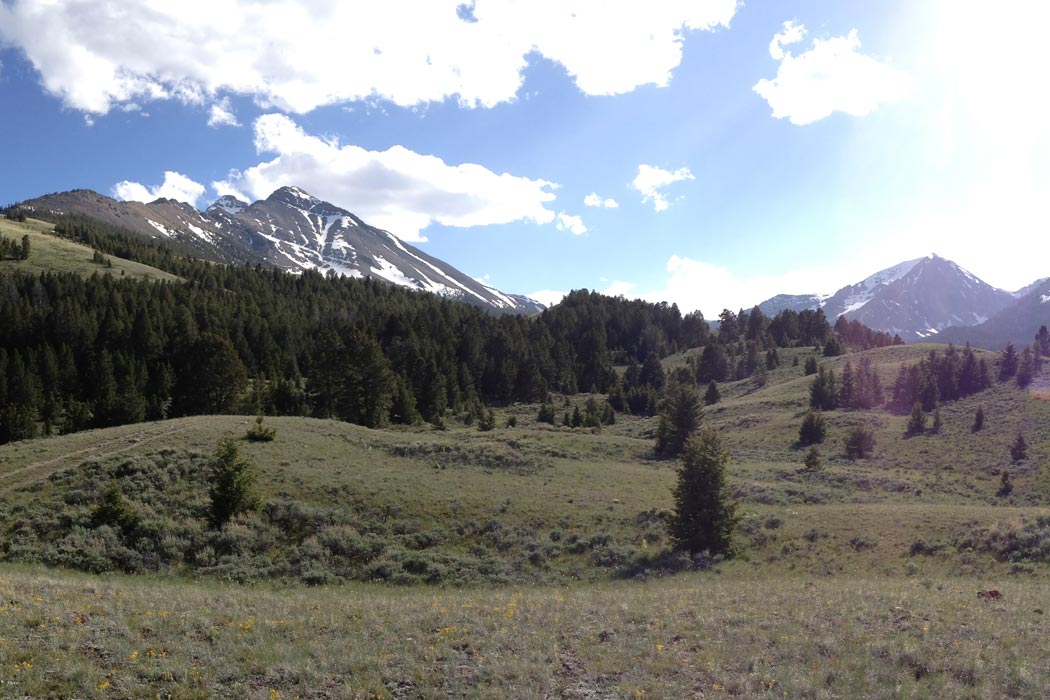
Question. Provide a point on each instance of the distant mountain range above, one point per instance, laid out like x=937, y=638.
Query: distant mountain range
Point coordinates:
x=932, y=298
x=291, y=230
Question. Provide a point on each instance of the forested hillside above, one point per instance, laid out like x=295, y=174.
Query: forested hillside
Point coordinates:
x=79, y=352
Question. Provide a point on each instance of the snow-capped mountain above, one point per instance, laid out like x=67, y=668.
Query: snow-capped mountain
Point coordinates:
x=915, y=299
x=291, y=230
x=1017, y=323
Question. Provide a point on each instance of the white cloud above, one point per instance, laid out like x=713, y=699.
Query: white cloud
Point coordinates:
x=222, y=115
x=568, y=222
x=832, y=76
x=297, y=56
x=650, y=180
x=618, y=288
x=397, y=189
x=594, y=200
x=547, y=297
x=176, y=186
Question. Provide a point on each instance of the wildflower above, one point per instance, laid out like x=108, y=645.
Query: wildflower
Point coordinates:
x=134, y=655
x=103, y=685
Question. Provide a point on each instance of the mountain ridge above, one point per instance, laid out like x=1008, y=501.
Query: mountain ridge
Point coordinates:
x=916, y=299
x=291, y=230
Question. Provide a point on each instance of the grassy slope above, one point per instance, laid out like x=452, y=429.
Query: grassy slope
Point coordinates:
x=825, y=601
x=49, y=253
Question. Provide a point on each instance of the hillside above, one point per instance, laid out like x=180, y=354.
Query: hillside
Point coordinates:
x=49, y=253
x=889, y=550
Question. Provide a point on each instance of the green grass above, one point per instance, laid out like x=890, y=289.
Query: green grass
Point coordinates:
x=858, y=580
x=49, y=253
x=707, y=635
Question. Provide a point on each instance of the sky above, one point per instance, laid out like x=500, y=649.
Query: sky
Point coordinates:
x=707, y=153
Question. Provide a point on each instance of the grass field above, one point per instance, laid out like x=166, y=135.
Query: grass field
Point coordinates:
x=49, y=253
x=858, y=580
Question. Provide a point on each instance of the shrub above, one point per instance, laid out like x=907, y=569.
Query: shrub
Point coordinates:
x=260, y=432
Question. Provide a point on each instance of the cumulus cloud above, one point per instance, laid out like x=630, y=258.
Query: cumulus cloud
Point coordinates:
x=396, y=189
x=297, y=56
x=595, y=200
x=222, y=115
x=568, y=222
x=547, y=297
x=175, y=186
x=650, y=181
x=832, y=76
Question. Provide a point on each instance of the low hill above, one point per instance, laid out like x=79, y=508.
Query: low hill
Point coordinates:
x=49, y=253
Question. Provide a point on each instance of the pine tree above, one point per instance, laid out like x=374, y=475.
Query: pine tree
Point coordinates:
x=810, y=366
x=679, y=419
x=978, y=420
x=1019, y=449
x=703, y=518
x=860, y=442
x=813, y=429
x=813, y=461
x=847, y=390
x=231, y=484
x=24, y=250
x=936, y=427
x=823, y=392
x=1008, y=362
x=712, y=395
x=1005, y=485
x=917, y=420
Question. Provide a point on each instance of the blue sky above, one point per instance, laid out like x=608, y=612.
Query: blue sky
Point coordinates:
x=749, y=148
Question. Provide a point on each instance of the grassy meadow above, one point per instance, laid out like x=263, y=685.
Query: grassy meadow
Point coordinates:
x=49, y=253
x=533, y=561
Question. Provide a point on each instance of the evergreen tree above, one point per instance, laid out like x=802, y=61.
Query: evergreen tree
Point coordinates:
x=1008, y=362
x=703, y=517
x=1042, y=342
x=1026, y=367
x=1019, y=449
x=810, y=366
x=936, y=427
x=813, y=429
x=487, y=421
x=847, y=390
x=1005, y=485
x=24, y=250
x=813, y=461
x=823, y=392
x=917, y=420
x=712, y=395
x=679, y=419
x=860, y=442
x=978, y=420
x=231, y=484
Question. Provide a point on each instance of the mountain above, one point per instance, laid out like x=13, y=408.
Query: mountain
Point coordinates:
x=291, y=230
x=793, y=302
x=916, y=299
x=1017, y=323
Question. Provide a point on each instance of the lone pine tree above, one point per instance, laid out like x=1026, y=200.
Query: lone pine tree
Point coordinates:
x=704, y=517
